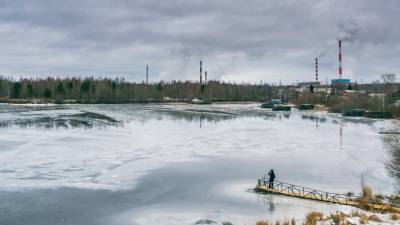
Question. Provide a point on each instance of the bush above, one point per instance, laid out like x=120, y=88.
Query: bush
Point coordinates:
x=339, y=218
x=313, y=217
x=263, y=222
x=366, y=192
x=395, y=216
x=363, y=219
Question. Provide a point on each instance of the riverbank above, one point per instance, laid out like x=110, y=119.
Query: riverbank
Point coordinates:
x=355, y=217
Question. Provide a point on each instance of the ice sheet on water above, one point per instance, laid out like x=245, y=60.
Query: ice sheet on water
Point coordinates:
x=51, y=116
x=113, y=157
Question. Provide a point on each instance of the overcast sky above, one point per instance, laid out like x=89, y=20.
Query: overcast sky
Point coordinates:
x=241, y=40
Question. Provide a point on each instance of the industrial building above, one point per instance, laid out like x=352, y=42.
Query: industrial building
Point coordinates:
x=340, y=83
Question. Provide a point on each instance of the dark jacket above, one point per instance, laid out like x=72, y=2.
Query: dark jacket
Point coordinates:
x=271, y=175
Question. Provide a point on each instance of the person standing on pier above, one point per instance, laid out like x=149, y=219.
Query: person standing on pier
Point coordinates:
x=271, y=179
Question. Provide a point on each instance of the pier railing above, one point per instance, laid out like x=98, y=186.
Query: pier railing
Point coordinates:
x=305, y=192
x=381, y=203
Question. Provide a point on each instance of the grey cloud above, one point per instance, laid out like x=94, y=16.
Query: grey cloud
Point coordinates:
x=120, y=37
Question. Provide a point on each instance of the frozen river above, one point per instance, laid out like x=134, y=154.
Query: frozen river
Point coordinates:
x=176, y=163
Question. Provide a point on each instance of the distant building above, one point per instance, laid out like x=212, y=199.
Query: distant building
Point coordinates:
x=305, y=86
x=380, y=96
x=323, y=90
x=340, y=82
x=358, y=92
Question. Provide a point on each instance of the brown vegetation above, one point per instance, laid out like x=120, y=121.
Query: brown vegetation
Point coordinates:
x=263, y=222
x=395, y=216
x=363, y=219
x=374, y=218
x=339, y=218
x=366, y=199
x=313, y=217
x=355, y=213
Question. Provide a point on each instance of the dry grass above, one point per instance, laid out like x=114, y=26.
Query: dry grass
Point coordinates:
x=339, y=218
x=366, y=192
x=290, y=222
x=285, y=222
x=366, y=197
x=363, y=219
x=367, y=202
x=263, y=222
x=374, y=218
x=313, y=217
x=395, y=216
x=355, y=213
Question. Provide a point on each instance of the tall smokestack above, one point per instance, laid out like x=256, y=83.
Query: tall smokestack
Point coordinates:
x=201, y=72
x=147, y=74
x=316, y=69
x=340, y=60
x=205, y=77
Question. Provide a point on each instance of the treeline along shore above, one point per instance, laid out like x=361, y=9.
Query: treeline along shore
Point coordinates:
x=376, y=97
x=118, y=90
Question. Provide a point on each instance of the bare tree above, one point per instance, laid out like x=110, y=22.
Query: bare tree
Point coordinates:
x=388, y=78
x=392, y=142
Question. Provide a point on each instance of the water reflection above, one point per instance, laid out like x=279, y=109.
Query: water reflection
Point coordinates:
x=315, y=118
x=341, y=133
x=271, y=204
x=61, y=116
x=267, y=200
x=190, y=115
x=10, y=108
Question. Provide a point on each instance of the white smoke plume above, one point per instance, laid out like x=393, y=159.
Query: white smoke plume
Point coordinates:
x=323, y=49
x=348, y=31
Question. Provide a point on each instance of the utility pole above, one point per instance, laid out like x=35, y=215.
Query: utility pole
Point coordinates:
x=201, y=72
x=383, y=105
x=147, y=74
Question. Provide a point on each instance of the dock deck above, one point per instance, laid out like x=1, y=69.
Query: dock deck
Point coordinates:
x=292, y=190
x=305, y=193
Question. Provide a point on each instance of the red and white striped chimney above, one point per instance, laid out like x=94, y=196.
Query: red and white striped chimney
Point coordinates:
x=316, y=69
x=340, y=59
